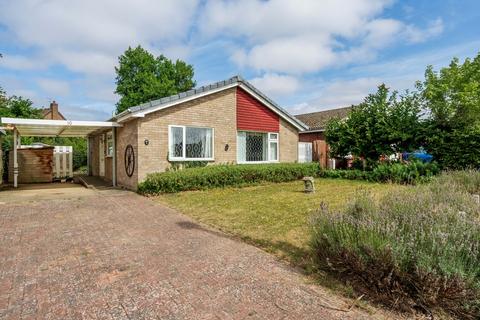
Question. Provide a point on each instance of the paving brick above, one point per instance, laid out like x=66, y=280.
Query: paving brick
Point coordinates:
x=116, y=255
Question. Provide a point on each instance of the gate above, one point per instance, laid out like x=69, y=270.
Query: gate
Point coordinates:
x=62, y=162
x=304, y=152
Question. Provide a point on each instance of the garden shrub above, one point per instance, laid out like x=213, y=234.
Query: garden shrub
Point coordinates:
x=219, y=176
x=466, y=180
x=404, y=173
x=418, y=248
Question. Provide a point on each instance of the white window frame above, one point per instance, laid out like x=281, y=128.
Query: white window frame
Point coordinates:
x=184, y=150
x=108, y=141
x=277, y=140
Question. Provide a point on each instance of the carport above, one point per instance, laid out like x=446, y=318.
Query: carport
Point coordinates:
x=57, y=128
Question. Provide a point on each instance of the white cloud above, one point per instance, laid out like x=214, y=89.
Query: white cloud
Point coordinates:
x=416, y=35
x=19, y=62
x=88, y=35
x=276, y=85
x=54, y=87
x=308, y=36
x=94, y=111
x=294, y=55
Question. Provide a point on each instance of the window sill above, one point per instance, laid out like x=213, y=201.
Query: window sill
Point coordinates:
x=258, y=162
x=184, y=160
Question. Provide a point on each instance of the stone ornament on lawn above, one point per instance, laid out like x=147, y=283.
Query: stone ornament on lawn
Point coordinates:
x=309, y=184
x=476, y=198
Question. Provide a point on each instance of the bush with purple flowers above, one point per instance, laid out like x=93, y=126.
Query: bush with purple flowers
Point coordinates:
x=415, y=249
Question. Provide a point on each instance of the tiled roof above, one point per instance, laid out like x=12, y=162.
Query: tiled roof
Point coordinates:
x=178, y=98
x=318, y=120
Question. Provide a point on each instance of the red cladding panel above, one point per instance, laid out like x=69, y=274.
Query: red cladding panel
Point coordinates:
x=252, y=115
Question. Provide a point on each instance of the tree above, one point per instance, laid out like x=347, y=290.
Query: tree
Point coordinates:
x=17, y=107
x=452, y=98
x=382, y=124
x=141, y=77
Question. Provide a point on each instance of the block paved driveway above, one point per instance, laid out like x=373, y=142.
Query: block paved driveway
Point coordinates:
x=83, y=254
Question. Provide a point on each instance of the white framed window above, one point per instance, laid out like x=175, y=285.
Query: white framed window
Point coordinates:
x=257, y=147
x=109, y=150
x=190, y=143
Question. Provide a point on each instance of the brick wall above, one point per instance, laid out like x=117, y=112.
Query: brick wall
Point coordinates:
x=94, y=156
x=128, y=134
x=1, y=159
x=34, y=165
x=311, y=136
x=216, y=110
x=288, y=141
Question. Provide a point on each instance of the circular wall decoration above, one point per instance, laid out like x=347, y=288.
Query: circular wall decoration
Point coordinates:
x=129, y=160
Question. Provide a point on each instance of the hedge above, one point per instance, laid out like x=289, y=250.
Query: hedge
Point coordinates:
x=403, y=173
x=220, y=176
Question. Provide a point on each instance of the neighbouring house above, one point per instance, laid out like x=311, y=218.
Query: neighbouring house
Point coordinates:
x=226, y=122
x=52, y=112
x=314, y=136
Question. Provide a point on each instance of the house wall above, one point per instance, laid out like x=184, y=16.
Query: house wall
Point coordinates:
x=311, y=136
x=94, y=155
x=288, y=140
x=34, y=164
x=216, y=111
x=128, y=134
x=1, y=159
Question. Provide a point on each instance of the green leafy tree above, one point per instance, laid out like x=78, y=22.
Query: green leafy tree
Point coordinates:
x=141, y=77
x=452, y=97
x=17, y=107
x=383, y=124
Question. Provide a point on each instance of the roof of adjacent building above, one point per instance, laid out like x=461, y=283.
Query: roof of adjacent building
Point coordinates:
x=317, y=121
x=176, y=99
x=46, y=114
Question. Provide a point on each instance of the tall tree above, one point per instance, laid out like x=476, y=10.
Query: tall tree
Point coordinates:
x=452, y=97
x=383, y=124
x=17, y=107
x=141, y=77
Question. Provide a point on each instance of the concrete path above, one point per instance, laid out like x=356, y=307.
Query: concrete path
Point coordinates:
x=75, y=253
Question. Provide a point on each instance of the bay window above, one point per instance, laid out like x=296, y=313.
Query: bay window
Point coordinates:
x=190, y=143
x=257, y=147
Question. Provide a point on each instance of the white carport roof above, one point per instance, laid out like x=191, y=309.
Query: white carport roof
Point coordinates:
x=56, y=128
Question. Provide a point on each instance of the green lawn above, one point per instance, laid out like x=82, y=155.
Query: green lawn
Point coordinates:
x=272, y=216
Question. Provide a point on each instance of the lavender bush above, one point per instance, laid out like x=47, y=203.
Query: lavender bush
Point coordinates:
x=418, y=248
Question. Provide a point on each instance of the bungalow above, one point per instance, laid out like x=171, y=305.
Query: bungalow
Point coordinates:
x=226, y=122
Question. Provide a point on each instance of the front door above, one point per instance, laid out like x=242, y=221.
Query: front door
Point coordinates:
x=101, y=156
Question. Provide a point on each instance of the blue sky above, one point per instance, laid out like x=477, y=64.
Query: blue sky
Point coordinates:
x=306, y=55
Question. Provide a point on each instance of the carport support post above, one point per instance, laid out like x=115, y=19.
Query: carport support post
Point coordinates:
x=89, y=171
x=15, y=158
x=114, y=158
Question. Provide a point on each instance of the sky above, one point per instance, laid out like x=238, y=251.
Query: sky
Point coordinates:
x=306, y=55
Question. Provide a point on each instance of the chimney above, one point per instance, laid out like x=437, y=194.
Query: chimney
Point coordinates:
x=53, y=109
